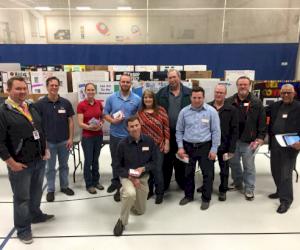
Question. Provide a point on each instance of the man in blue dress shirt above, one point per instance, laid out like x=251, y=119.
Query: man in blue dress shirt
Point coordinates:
x=198, y=136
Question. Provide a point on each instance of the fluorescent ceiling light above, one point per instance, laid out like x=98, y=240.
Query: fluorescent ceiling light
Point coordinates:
x=124, y=8
x=46, y=8
x=83, y=8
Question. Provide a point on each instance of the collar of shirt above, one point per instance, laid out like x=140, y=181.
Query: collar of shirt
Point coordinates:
x=14, y=104
x=121, y=97
x=247, y=99
x=58, y=99
x=132, y=140
x=203, y=107
x=180, y=92
x=88, y=103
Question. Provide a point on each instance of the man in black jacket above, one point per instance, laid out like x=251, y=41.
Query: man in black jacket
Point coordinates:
x=22, y=147
x=284, y=118
x=229, y=135
x=252, y=130
x=173, y=98
x=135, y=158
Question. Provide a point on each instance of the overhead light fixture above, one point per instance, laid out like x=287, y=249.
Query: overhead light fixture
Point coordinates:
x=124, y=8
x=83, y=8
x=43, y=8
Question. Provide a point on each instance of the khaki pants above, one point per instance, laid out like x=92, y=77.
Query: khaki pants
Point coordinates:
x=133, y=198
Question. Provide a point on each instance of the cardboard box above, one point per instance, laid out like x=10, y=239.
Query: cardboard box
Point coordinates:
x=198, y=74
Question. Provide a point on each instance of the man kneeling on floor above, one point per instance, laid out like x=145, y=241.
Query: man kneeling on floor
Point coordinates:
x=135, y=157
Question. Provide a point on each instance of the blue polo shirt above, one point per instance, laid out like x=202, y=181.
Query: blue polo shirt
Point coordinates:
x=55, y=118
x=129, y=107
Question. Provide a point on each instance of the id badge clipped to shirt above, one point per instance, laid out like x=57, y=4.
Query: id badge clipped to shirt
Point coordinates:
x=36, y=134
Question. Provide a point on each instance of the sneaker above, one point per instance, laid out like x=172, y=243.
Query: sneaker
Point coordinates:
x=249, y=195
x=42, y=218
x=67, y=191
x=184, y=201
x=92, y=190
x=50, y=196
x=235, y=187
x=159, y=199
x=26, y=239
x=111, y=188
x=204, y=205
x=119, y=228
x=117, y=196
x=99, y=186
x=274, y=196
x=222, y=196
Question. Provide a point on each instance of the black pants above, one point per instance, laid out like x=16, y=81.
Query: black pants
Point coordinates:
x=156, y=175
x=199, y=153
x=224, y=173
x=113, y=145
x=283, y=161
x=171, y=161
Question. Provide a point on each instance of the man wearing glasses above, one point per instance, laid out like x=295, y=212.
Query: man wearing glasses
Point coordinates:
x=284, y=118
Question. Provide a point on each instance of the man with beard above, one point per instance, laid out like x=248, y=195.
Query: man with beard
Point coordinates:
x=173, y=98
x=118, y=107
x=252, y=131
x=284, y=118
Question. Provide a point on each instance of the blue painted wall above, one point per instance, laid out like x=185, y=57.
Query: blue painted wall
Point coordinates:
x=265, y=59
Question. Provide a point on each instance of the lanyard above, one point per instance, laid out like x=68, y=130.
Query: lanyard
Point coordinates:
x=25, y=112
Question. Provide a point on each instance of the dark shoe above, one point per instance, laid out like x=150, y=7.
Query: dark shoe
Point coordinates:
x=184, y=201
x=283, y=208
x=117, y=196
x=50, y=197
x=67, y=191
x=111, y=188
x=150, y=194
x=119, y=228
x=26, y=239
x=92, y=190
x=273, y=196
x=249, y=195
x=42, y=218
x=159, y=199
x=222, y=196
x=200, y=189
x=99, y=186
x=204, y=205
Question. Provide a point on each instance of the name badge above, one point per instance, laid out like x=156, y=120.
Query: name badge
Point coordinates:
x=205, y=120
x=246, y=104
x=145, y=149
x=284, y=116
x=61, y=111
x=36, y=134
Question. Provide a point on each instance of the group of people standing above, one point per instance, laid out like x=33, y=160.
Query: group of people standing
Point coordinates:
x=149, y=137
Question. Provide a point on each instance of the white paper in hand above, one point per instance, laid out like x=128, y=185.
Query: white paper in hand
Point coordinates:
x=185, y=159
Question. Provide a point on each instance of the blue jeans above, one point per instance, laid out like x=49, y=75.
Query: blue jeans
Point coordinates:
x=91, y=147
x=247, y=176
x=60, y=150
x=27, y=188
x=156, y=175
x=113, y=144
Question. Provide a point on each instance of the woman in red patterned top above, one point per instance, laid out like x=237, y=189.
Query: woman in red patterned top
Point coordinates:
x=155, y=123
x=90, y=120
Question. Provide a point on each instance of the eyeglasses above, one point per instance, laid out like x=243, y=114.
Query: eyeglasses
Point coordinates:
x=286, y=93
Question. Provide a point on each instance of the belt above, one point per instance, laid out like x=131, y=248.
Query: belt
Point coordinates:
x=198, y=144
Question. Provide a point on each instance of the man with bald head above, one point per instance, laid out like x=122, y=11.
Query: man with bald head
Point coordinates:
x=284, y=118
x=229, y=135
